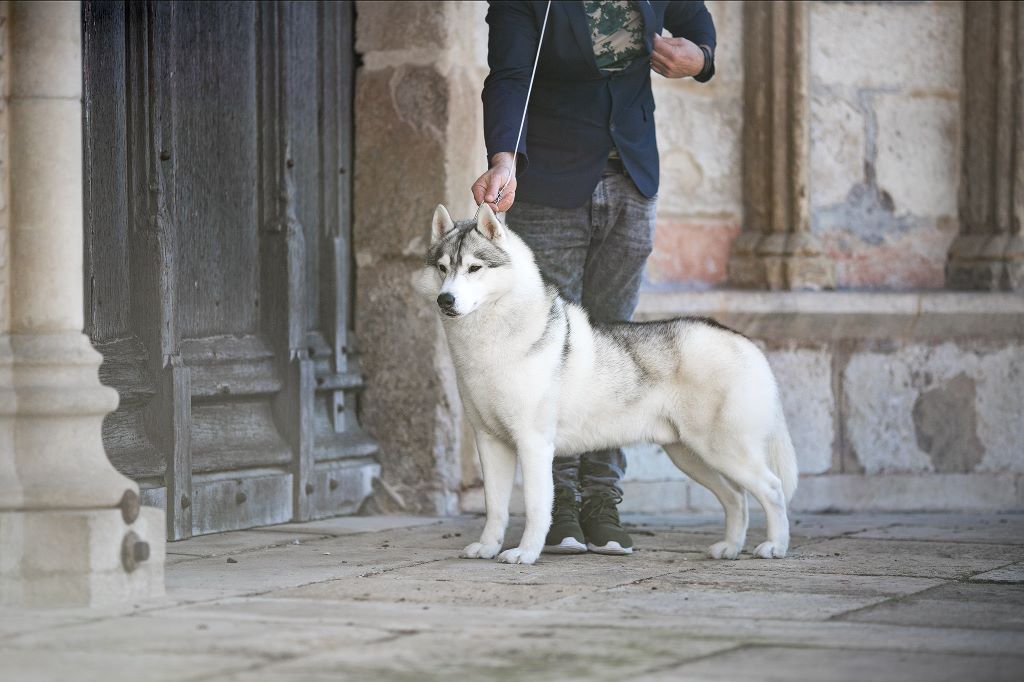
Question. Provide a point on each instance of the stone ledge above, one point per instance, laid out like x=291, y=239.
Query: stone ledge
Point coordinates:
x=834, y=315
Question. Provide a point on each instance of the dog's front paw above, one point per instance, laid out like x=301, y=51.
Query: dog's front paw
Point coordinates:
x=724, y=550
x=479, y=550
x=770, y=550
x=518, y=555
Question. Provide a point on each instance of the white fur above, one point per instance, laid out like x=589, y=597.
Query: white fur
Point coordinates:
x=715, y=407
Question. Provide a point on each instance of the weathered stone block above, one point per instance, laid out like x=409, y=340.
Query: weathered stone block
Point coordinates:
x=907, y=492
x=918, y=146
x=944, y=408
x=410, y=404
x=837, y=148
x=907, y=257
x=392, y=25
x=887, y=45
x=699, y=140
x=655, y=497
x=691, y=252
x=647, y=462
x=403, y=108
x=805, y=386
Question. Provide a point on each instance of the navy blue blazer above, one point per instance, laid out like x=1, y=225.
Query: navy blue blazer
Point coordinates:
x=576, y=113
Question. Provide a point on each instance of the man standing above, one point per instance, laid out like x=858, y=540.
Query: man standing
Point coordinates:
x=588, y=180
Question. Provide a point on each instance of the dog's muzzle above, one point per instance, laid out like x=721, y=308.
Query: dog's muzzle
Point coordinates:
x=446, y=302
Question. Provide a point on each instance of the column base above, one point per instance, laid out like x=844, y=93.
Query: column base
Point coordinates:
x=72, y=558
x=780, y=261
x=52, y=406
x=981, y=262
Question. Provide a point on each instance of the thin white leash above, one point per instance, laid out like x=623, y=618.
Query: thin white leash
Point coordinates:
x=522, y=121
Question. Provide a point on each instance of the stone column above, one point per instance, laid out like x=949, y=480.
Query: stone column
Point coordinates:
x=776, y=249
x=71, y=529
x=989, y=252
x=418, y=143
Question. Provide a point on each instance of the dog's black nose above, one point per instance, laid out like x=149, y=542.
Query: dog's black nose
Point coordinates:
x=446, y=300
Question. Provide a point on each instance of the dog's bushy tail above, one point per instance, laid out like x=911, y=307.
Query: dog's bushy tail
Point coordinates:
x=782, y=457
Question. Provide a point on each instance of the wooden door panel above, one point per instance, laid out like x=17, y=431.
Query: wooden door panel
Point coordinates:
x=213, y=148
x=217, y=137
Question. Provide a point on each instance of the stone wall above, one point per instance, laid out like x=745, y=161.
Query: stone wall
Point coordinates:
x=4, y=212
x=885, y=83
x=884, y=155
x=419, y=142
x=896, y=400
x=700, y=128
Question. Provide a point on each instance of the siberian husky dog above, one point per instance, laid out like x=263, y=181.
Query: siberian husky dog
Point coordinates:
x=538, y=378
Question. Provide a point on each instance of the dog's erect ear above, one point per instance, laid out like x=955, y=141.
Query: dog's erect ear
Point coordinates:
x=441, y=224
x=489, y=225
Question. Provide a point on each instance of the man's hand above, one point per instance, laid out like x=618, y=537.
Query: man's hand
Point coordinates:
x=487, y=185
x=676, y=57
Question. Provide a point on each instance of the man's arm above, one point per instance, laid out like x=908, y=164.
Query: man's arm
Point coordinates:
x=511, y=48
x=691, y=50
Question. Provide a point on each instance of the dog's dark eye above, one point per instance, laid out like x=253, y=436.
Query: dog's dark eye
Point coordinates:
x=443, y=269
x=474, y=268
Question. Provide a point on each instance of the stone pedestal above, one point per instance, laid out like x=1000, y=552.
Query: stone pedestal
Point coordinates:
x=989, y=252
x=72, y=532
x=776, y=249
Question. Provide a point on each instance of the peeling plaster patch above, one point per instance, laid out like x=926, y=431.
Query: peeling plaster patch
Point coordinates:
x=946, y=425
x=885, y=419
x=867, y=214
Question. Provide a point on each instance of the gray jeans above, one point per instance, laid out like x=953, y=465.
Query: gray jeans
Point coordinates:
x=595, y=255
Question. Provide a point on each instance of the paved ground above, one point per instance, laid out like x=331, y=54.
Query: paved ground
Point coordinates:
x=863, y=597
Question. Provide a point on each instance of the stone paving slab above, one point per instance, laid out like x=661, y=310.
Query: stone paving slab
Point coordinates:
x=154, y=633
x=494, y=653
x=387, y=587
x=879, y=597
x=1006, y=574
x=962, y=605
x=223, y=544
x=287, y=566
x=588, y=570
x=996, y=528
x=926, y=559
x=106, y=666
x=838, y=665
x=351, y=525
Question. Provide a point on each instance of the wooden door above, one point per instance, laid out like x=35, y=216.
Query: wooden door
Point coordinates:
x=217, y=141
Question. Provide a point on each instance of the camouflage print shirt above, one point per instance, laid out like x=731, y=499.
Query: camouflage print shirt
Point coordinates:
x=617, y=32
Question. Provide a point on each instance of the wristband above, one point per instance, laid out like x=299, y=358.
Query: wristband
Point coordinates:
x=709, y=65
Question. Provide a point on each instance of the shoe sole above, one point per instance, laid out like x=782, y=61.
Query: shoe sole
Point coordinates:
x=612, y=548
x=566, y=546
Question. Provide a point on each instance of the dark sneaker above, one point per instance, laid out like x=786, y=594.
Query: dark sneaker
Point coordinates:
x=565, y=536
x=601, y=527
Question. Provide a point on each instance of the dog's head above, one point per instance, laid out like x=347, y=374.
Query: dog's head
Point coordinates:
x=469, y=263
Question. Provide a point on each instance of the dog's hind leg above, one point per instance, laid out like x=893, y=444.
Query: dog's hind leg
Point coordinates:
x=733, y=500
x=742, y=463
x=498, y=464
x=535, y=457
